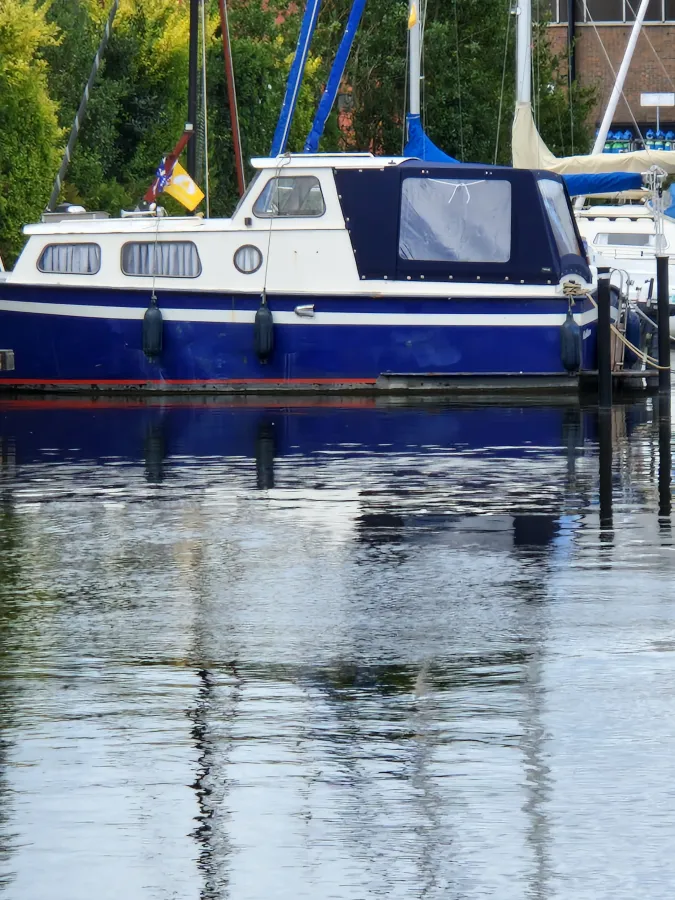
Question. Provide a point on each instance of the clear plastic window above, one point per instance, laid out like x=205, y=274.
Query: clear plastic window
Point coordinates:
x=165, y=259
x=560, y=217
x=290, y=195
x=448, y=220
x=70, y=259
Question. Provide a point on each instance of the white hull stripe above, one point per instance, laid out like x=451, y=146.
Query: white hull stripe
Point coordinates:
x=246, y=317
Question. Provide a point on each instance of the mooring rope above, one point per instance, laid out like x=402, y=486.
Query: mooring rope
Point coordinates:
x=571, y=289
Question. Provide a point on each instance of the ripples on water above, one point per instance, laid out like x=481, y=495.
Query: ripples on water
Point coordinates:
x=337, y=651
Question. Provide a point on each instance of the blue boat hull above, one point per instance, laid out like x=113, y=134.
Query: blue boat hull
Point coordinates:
x=79, y=338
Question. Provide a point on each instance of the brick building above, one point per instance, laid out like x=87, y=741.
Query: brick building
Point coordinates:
x=610, y=22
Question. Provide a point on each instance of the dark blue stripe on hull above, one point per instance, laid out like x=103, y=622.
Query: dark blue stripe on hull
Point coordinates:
x=51, y=348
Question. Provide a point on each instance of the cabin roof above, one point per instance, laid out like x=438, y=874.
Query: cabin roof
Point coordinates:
x=328, y=161
x=146, y=226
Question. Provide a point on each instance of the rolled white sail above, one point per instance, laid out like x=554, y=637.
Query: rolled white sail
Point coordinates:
x=530, y=152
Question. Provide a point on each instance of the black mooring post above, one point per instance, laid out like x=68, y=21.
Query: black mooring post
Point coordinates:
x=605, y=465
x=663, y=319
x=192, y=86
x=662, y=410
x=604, y=344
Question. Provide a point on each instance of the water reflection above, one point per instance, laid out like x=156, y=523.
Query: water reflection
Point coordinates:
x=341, y=649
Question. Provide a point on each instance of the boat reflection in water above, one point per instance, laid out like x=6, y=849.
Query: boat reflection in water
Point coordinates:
x=346, y=598
x=400, y=466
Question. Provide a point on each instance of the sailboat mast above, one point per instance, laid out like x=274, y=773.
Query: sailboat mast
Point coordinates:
x=620, y=80
x=524, y=52
x=192, y=86
x=232, y=97
x=415, y=49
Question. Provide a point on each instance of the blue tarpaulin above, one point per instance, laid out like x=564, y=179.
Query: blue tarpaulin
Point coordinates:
x=670, y=209
x=422, y=147
x=335, y=77
x=295, y=77
x=602, y=183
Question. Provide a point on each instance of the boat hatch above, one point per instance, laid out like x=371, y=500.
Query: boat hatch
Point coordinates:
x=624, y=239
x=445, y=222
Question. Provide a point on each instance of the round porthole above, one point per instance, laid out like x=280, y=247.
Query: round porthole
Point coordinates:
x=248, y=259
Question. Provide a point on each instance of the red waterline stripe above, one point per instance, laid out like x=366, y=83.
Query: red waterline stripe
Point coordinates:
x=243, y=381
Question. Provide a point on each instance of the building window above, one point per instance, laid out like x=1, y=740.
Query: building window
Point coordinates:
x=448, y=220
x=165, y=259
x=290, y=195
x=70, y=259
x=603, y=11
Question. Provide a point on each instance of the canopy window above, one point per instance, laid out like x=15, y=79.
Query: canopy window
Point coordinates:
x=560, y=217
x=452, y=220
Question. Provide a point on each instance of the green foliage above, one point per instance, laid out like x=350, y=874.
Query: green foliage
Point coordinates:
x=563, y=125
x=29, y=133
x=138, y=106
x=136, y=111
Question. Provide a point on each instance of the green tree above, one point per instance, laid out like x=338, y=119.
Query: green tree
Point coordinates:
x=137, y=108
x=29, y=133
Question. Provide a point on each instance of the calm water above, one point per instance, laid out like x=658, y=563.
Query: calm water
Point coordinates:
x=341, y=651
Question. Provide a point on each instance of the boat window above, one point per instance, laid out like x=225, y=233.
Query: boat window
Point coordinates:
x=625, y=239
x=70, y=259
x=165, y=259
x=290, y=195
x=560, y=217
x=451, y=220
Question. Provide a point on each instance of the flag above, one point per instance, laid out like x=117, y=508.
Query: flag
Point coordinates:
x=181, y=187
x=165, y=168
x=162, y=176
x=412, y=18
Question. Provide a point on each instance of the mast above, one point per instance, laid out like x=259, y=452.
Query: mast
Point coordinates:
x=415, y=45
x=524, y=52
x=232, y=97
x=620, y=80
x=192, y=87
x=617, y=90
x=571, y=37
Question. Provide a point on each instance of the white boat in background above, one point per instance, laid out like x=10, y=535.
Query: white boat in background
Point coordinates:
x=623, y=238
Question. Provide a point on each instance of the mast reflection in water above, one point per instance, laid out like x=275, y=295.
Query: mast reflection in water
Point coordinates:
x=300, y=649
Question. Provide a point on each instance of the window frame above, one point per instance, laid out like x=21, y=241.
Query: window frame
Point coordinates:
x=157, y=274
x=276, y=177
x=68, y=244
